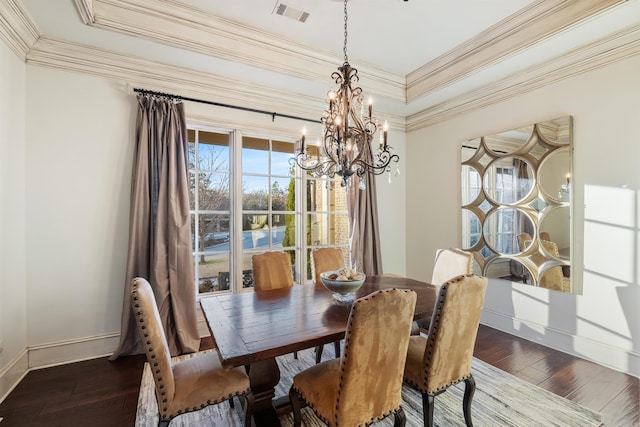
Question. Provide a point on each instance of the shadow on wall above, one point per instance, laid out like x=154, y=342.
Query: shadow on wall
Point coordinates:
x=611, y=255
x=607, y=314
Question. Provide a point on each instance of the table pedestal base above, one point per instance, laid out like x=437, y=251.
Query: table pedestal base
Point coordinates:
x=264, y=376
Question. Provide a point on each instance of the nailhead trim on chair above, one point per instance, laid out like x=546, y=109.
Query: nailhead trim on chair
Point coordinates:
x=164, y=416
x=347, y=341
x=423, y=387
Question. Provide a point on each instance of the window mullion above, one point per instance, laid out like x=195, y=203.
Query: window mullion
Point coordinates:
x=236, y=211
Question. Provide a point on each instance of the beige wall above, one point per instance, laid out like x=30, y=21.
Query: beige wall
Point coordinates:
x=12, y=219
x=603, y=324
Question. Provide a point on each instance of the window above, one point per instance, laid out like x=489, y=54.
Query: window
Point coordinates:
x=268, y=201
x=504, y=182
x=246, y=198
x=210, y=200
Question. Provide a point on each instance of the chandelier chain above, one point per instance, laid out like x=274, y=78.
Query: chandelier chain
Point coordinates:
x=344, y=49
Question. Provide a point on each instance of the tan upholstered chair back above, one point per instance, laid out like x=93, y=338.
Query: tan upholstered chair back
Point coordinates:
x=272, y=270
x=450, y=263
x=153, y=339
x=325, y=259
x=452, y=332
x=553, y=277
x=524, y=239
x=372, y=365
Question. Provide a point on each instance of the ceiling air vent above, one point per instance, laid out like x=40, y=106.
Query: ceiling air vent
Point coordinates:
x=290, y=12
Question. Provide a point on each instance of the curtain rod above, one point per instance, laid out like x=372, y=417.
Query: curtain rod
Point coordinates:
x=253, y=110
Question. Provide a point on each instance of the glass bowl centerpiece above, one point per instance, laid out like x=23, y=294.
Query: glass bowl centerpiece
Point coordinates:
x=343, y=283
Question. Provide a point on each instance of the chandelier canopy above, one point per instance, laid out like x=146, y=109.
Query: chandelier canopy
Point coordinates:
x=347, y=131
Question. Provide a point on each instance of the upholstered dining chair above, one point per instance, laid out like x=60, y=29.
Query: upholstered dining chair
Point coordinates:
x=271, y=270
x=443, y=357
x=449, y=263
x=325, y=259
x=365, y=384
x=188, y=385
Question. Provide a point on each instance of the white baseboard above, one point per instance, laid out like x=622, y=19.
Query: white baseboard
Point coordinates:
x=64, y=352
x=602, y=354
x=13, y=373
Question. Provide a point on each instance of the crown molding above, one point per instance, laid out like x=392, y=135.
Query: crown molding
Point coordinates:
x=510, y=36
x=616, y=47
x=176, y=24
x=17, y=28
x=85, y=9
x=155, y=76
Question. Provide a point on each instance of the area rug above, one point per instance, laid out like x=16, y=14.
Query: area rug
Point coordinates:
x=500, y=400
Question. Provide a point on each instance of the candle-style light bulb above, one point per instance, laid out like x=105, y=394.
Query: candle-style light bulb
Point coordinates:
x=370, y=107
x=304, y=135
x=568, y=176
x=385, y=129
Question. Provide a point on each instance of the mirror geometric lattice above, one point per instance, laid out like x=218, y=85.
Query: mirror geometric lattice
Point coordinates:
x=516, y=204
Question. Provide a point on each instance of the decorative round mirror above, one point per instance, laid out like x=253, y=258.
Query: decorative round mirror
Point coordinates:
x=502, y=228
x=472, y=229
x=554, y=176
x=508, y=180
x=517, y=217
x=553, y=228
x=472, y=186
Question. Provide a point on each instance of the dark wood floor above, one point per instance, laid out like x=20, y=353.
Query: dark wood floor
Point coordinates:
x=103, y=393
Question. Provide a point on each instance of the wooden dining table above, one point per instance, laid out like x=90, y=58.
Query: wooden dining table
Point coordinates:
x=251, y=329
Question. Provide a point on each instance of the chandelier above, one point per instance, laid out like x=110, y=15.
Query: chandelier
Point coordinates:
x=347, y=131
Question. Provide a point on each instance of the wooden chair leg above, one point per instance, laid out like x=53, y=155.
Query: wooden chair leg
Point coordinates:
x=469, y=390
x=427, y=409
x=164, y=423
x=248, y=409
x=231, y=404
x=336, y=347
x=399, y=418
x=295, y=407
x=295, y=355
x=319, y=350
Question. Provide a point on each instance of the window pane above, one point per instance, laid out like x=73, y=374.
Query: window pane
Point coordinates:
x=288, y=231
x=192, y=150
x=255, y=231
x=213, y=151
x=339, y=229
x=213, y=273
x=247, y=269
x=283, y=194
x=280, y=156
x=192, y=191
x=317, y=195
x=213, y=191
x=338, y=198
x=318, y=229
x=255, y=155
x=213, y=232
x=255, y=193
x=292, y=255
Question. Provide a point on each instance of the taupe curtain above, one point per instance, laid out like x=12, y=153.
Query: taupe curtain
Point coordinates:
x=364, y=237
x=159, y=226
